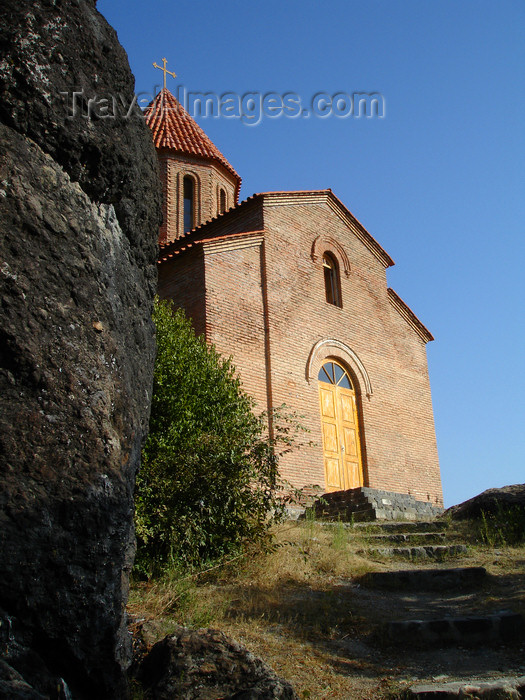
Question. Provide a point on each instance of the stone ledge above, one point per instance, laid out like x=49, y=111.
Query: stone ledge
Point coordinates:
x=404, y=526
x=428, y=579
x=413, y=537
x=500, y=689
x=438, y=551
x=504, y=627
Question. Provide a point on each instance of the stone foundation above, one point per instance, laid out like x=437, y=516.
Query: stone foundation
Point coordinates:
x=366, y=504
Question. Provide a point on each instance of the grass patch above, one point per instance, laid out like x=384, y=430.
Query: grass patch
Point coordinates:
x=177, y=598
x=503, y=527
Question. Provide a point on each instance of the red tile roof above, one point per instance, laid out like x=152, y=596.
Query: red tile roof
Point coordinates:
x=282, y=197
x=181, y=246
x=173, y=128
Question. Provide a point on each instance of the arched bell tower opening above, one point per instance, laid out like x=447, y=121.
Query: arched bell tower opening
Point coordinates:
x=188, y=190
x=222, y=201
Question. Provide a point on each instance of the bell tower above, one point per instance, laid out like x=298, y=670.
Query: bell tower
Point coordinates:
x=198, y=182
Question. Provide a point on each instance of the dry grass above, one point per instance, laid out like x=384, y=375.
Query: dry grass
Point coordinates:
x=305, y=554
x=301, y=609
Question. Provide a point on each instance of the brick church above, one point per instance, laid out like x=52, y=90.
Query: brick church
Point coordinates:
x=294, y=287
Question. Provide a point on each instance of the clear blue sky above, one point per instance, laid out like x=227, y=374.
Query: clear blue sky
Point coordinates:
x=439, y=181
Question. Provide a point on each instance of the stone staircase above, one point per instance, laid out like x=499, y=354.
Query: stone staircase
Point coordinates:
x=428, y=615
x=434, y=610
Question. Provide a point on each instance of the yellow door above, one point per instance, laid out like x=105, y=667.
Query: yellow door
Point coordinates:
x=340, y=429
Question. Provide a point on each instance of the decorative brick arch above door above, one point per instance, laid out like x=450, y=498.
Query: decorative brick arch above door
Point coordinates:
x=330, y=347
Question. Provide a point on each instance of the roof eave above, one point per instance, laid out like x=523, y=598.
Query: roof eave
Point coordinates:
x=406, y=312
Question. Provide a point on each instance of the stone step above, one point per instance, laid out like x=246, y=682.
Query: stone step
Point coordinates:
x=358, y=513
x=340, y=506
x=413, y=537
x=427, y=579
x=503, y=627
x=402, y=526
x=508, y=688
x=430, y=551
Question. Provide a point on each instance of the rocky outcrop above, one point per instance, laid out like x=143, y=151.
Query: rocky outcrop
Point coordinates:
x=80, y=209
x=490, y=501
x=205, y=664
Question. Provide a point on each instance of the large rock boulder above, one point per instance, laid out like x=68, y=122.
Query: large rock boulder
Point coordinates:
x=79, y=215
x=490, y=501
x=205, y=665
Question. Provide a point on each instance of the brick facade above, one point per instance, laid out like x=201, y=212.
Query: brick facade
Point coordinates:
x=264, y=304
x=252, y=279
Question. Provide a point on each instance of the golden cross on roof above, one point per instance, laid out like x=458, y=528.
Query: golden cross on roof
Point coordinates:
x=164, y=70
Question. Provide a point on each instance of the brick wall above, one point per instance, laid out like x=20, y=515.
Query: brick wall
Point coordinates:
x=182, y=279
x=235, y=313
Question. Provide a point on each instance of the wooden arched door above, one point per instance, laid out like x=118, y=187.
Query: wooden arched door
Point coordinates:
x=340, y=428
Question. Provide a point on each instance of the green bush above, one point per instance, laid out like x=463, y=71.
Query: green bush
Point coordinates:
x=209, y=482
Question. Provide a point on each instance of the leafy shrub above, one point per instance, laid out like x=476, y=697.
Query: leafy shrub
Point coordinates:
x=209, y=481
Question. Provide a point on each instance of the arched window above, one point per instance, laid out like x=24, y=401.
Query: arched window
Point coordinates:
x=331, y=280
x=189, y=203
x=222, y=201
x=333, y=373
